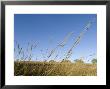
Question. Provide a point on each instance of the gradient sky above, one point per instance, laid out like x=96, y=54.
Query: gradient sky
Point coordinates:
x=50, y=29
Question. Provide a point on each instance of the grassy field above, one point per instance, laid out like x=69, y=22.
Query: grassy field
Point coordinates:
x=31, y=68
x=25, y=66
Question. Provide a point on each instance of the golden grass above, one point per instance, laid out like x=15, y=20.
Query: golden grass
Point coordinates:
x=24, y=66
x=29, y=68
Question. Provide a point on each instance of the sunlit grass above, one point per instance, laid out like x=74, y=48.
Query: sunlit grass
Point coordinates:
x=28, y=68
x=25, y=66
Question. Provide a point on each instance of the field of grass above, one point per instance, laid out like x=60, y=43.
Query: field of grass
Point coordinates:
x=25, y=66
x=31, y=68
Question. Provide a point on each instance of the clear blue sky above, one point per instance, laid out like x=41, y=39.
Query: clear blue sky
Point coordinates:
x=50, y=29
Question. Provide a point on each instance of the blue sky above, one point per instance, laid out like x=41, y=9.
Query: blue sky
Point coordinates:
x=48, y=30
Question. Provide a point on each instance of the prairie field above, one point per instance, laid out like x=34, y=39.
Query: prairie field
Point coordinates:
x=31, y=68
x=55, y=45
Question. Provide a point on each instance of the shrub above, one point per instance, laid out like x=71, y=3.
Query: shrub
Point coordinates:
x=65, y=61
x=79, y=61
x=94, y=61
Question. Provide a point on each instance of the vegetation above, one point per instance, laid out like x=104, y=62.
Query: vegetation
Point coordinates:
x=65, y=68
x=24, y=66
x=94, y=61
x=79, y=61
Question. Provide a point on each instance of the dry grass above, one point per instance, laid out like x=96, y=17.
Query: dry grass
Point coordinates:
x=28, y=68
x=24, y=65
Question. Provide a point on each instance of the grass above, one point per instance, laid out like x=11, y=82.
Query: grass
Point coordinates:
x=30, y=68
x=24, y=66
